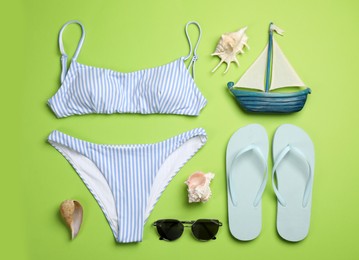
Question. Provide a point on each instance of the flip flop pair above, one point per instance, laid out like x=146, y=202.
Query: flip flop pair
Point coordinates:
x=292, y=180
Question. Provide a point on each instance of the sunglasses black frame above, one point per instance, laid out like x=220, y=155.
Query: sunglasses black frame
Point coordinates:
x=182, y=224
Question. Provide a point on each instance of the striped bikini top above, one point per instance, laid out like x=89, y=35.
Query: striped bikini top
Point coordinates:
x=167, y=89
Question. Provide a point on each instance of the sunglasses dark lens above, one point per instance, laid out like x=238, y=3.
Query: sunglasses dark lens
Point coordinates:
x=169, y=229
x=205, y=229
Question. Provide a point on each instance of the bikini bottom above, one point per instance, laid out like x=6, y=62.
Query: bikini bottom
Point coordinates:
x=127, y=180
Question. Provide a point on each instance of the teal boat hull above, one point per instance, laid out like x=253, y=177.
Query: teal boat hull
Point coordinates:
x=266, y=102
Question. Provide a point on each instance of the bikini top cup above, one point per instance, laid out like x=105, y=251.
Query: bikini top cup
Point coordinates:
x=167, y=89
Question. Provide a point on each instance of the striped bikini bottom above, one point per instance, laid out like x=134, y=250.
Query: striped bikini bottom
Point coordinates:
x=127, y=180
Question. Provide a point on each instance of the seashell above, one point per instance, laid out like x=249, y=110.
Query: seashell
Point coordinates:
x=198, y=187
x=229, y=46
x=71, y=211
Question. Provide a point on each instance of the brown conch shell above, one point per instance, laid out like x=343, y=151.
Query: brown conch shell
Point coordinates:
x=198, y=187
x=71, y=211
x=229, y=46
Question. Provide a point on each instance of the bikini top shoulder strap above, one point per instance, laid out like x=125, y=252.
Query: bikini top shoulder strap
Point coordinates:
x=195, y=56
x=62, y=50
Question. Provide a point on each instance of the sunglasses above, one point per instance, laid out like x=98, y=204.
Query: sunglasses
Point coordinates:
x=202, y=229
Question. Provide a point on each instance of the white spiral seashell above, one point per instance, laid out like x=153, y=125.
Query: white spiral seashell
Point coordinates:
x=229, y=46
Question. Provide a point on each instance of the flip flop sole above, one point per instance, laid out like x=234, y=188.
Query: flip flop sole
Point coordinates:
x=244, y=179
x=292, y=177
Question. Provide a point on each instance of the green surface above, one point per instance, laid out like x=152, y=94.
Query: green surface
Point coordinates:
x=321, y=41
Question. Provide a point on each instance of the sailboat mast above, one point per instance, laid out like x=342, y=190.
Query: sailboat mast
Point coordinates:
x=269, y=58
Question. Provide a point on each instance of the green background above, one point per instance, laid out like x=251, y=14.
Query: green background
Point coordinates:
x=321, y=41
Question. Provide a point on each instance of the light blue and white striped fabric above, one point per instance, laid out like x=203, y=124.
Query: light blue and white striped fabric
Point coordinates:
x=127, y=180
x=167, y=89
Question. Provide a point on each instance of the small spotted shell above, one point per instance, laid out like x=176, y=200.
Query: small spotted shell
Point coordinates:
x=71, y=211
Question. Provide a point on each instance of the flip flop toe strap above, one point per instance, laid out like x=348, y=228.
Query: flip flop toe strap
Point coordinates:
x=307, y=190
x=261, y=158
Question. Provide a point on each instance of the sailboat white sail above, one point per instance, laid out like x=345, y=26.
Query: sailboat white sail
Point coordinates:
x=254, y=77
x=283, y=74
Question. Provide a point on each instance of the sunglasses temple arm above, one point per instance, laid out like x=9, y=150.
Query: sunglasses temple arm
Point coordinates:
x=219, y=224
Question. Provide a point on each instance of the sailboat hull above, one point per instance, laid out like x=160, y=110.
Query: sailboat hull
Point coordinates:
x=266, y=102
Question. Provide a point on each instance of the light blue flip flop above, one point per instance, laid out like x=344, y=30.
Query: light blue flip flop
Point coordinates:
x=247, y=172
x=292, y=180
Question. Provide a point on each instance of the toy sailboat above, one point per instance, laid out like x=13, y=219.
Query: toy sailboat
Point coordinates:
x=270, y=71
